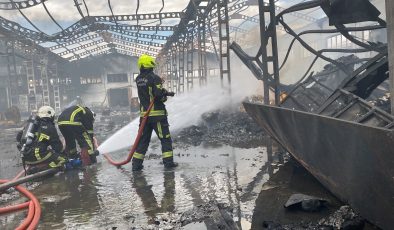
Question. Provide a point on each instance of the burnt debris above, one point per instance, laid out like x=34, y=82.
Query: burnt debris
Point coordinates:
x=236, y=129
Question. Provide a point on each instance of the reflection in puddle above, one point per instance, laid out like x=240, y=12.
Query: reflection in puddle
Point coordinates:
x=104, y=197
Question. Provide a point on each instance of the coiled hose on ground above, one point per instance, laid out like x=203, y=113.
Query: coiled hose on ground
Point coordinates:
x=34, y=209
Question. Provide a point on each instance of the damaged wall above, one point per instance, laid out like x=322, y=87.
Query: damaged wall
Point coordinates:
x=89, y=77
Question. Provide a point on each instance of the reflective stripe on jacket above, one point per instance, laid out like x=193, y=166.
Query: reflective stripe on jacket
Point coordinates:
x=150, y=86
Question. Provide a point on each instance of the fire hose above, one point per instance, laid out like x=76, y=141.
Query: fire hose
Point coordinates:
x=137, y=140
x=34, y=208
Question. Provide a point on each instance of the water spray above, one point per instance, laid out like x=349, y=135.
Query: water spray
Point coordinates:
x=137, y=139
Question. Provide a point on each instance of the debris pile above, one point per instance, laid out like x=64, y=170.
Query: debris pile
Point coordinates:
x=344, y=218
x=215, y=215
x=210, y=215
x=222, y=127
x=383, y=103
x=306, y=203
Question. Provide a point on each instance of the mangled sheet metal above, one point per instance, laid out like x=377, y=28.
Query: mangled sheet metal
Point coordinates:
x=336, y=94
x=354, y=161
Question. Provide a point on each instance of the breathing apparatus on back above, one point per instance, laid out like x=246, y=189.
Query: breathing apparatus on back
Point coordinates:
x=28, y=135
x=33, y=123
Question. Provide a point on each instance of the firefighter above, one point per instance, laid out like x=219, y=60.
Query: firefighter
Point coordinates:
x=76, y=124
x=150, y=88
x=35, y=139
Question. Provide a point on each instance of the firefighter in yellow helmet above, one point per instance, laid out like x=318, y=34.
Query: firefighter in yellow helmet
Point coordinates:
x=39, y=142
x=150, y=88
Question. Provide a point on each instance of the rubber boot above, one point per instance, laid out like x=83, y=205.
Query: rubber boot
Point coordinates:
x=137, y=165
x=85, y=157
x=169, y=163
x=93, y=159
x=93, y=156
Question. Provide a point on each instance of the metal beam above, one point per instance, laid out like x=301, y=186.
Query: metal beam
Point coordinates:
x=135, y=50
x=84, y=46
x=12, y=81
x=252, y=19
x=189, y=59
x=390, y=40
x=110, y=48
x=77, y=32
x=140, y=28
x=18, y=30
x=168, y=71
x=74, y=31
x=20, y=4
x=181, y=59
x=134, y=53
x=267, y=33
x=133, y=44
x=142, y=42
x=74, y=41
x=174, y=68
x=88, y=52
x=139, y=17
x=201, y=43
x=224, y=40
x=124, y=30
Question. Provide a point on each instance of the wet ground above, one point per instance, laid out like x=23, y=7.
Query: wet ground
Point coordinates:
x=216, y=186
x=105, y=197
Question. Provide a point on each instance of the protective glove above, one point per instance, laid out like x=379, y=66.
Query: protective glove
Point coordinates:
x=96, y=153
x=170, y=94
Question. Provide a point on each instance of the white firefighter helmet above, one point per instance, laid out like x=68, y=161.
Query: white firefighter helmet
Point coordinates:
x=46, y=111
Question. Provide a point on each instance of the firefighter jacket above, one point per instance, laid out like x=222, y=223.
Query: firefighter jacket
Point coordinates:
x=46, y=136
x=77, y=115
x=150, y=86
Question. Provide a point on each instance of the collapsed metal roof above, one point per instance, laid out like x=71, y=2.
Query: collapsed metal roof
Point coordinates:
x=130, y=34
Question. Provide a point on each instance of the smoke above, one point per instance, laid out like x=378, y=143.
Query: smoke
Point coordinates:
x=186, y=109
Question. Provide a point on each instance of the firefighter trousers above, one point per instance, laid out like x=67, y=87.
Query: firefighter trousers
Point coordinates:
x=161, y=128
x=40, y=162
x=72, y=133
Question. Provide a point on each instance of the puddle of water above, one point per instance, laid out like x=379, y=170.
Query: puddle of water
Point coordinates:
x=105, y=197
x=253, y=182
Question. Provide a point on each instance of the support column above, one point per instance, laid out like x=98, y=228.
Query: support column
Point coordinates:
x=45, y=81
x=56, y=89
x=390, y=40
x=168, y=71
x=201, y=42
x=12, y=74
x=224, y=40
x=31, y=85
x=181, y=59
x=269, y=63
x=189, y=60
x=174, y=69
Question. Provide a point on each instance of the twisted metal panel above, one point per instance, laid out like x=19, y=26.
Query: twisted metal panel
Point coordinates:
x=132, y=17
x=132, y=44
x=84, y=46
x=20, y=4
x=83, y=39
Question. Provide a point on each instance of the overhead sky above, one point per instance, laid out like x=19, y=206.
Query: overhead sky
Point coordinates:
x=66, y=13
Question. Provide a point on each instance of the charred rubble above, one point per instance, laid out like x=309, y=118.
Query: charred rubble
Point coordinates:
x=344, y=218
x=234, y=128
